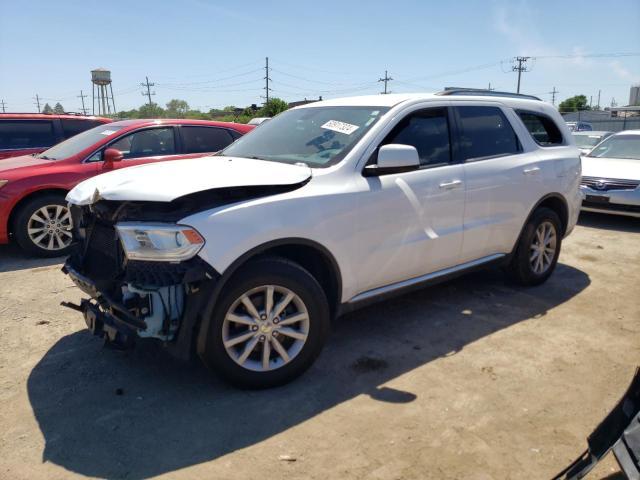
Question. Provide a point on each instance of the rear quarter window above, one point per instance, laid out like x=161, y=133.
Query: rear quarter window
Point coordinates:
x=16, y=134
x=543, y=129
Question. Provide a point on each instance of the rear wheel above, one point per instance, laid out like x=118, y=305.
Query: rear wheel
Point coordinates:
x=538, y=248
x=43, y=226
x=268, y=326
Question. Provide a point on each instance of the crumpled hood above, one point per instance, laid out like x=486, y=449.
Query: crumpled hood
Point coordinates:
x=12, y=163
x=611, y=168
x=166, y=181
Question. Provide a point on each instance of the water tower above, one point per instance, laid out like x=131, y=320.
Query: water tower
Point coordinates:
x=101, y=80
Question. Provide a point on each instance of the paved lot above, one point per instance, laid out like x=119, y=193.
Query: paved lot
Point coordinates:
x=474, y=379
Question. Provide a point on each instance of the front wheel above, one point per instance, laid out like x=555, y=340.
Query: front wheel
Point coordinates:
x=538, y=248
x=268, y=326
x=43, y=226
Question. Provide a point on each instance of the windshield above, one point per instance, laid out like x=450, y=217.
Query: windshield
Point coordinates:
x=79, y=142
x=317, y=136
x=618, y=146
x=587, y=141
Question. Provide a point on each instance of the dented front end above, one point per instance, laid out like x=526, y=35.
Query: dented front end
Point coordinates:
x=129, y=298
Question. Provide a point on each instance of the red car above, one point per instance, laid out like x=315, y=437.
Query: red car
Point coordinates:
x=28, y=133
x=33, y=209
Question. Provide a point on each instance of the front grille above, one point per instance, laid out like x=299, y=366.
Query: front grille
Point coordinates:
x=102, y=259
x=614, y=207
x=606, y=184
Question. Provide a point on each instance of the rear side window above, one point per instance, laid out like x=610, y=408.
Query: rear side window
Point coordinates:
x=485, y=132
x=544, y=131
x=146, y=143
x=15, y=134
x=205, y=139
x=428, y=131
x=71, y=127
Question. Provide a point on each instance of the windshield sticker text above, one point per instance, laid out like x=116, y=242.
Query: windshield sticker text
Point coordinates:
x=340, y=127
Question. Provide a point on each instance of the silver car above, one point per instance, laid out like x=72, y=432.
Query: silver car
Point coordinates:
x=611, y=175
x=585, y=141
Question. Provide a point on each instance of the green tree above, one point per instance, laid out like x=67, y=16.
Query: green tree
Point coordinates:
x=177, y=108
x=273, y=107
x=59, y=109
x=151, y=111
x=573, y=104
x=47, y=108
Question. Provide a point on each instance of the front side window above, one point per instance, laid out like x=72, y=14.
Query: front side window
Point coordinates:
x=15, y=134
x=485, y=132
x=618, y=146
x=205, y=139
x=317, y=136
x=146, y=143
x=543, y=130
x=427, y=131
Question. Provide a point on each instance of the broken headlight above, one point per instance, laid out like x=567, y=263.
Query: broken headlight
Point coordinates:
x=159, y=242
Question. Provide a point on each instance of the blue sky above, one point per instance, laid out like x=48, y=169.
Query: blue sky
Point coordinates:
x=211, y=53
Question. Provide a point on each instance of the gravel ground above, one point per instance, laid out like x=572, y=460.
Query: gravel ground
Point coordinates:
x=474, y=379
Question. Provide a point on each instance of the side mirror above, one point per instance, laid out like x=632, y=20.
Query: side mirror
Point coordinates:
x=112, y=155
x=394, y=158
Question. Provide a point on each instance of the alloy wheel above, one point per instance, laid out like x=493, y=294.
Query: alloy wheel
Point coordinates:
x=265, y=328
x=49, y=227
x=543, y=247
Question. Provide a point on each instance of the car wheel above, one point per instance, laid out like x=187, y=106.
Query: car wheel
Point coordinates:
x=538, y=248
x=43, y=225
x=268, y=326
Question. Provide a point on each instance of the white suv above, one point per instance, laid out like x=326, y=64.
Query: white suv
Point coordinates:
x=246, y=256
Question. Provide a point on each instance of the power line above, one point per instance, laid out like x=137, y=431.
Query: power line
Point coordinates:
x=521, y=67
x=148, y=93
x=82, y=96
x=386, y=80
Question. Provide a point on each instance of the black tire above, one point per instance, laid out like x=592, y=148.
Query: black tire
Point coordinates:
x=520, y=268
x=257, y=273
x=21, y=225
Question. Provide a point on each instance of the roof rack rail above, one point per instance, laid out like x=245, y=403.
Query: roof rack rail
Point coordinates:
x=485, y=93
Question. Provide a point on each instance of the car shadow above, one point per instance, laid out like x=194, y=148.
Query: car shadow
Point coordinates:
x=140, y=413
x=12, y=258
x=609, y=222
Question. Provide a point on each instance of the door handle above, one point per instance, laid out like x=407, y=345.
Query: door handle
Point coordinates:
x=531, y=171
x=451, y=185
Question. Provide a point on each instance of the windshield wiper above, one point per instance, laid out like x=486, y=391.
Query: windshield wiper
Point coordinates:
x=44, y=157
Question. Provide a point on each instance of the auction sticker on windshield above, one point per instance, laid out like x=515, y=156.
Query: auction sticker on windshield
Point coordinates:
x=340, y=127
x=108, y=132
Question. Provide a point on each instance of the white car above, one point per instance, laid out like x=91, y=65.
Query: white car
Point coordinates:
x=247, y=256
x=611, y=175
x=585, y=141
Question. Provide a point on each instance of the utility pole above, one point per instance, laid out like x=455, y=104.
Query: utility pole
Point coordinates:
x=148, y=93
x=553, y=95
x=599, y=99
x=37, y=99
x=82, y=96
x=3, y=104
x=266, y=79
x=386, y=80
x=521, y=67
x=490, y=89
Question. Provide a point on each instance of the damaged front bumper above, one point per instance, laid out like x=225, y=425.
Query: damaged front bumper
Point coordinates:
x=618, y=432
